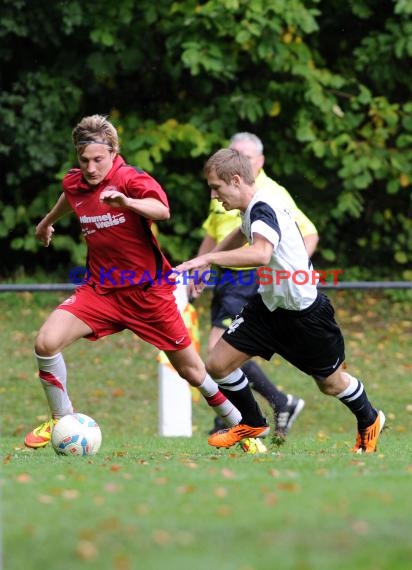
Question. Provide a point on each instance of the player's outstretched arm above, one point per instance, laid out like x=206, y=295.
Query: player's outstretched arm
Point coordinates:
x=44, y=229
x=147, y=207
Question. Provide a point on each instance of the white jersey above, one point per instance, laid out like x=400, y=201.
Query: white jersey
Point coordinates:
x=288, y=281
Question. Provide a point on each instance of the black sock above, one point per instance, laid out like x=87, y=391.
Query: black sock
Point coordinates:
x=358, y=403
x=245, y=402
x=260, y=382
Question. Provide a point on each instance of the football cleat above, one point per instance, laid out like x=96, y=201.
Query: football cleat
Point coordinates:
x=232, y=435
x=367, y=439
x=41, y=435
x=284, y=419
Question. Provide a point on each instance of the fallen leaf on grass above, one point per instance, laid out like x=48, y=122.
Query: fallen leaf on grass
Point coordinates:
x=70, y=494
x=120, y=453
x=112, y=488
x=45, y=499
x=224, y=511
x=233, y=455
x=184, y=489
x=86, y=550
x=288, y=486
x=322, y=436
x=360, y=527
x=23, y=478
x=356, y=318
x=161, y=537
x=220, y=492
x=161, y=481
x=357, y=462
x=122, y=563
x=228, y=473
x=191, y=464
x=271, y=499
x=111, y=523
x=143, y=509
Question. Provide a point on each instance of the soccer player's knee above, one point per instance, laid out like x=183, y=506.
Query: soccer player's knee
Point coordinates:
x=44, y=345
x=215, y=368
x=327, y=385
x=194, y=373
x=322, y=383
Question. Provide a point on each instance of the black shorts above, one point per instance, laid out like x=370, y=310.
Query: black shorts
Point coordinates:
x=231, y=293
x=310, y=339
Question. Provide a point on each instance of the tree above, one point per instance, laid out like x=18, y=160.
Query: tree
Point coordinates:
x=324, y=84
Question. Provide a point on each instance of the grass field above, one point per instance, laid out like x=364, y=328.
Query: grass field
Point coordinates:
x=147, y=502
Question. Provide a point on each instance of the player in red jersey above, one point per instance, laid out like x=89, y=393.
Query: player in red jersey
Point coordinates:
x=128, y=282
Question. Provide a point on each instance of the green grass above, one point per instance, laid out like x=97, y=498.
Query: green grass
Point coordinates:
x=148, y=502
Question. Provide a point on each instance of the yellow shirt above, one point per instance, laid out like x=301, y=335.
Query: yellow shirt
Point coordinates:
x=220, y=222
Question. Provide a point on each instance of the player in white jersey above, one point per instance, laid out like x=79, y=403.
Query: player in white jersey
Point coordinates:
x=292, y=320
x=272, y=219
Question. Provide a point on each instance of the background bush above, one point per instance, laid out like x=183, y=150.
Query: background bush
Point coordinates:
x=324, y=84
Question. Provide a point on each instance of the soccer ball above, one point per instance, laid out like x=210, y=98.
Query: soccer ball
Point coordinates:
x=76, y=434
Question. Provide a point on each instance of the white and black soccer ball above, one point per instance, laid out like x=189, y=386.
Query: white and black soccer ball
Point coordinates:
x=76, y=434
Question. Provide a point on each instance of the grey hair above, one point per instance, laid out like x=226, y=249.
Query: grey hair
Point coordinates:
x=249, y=137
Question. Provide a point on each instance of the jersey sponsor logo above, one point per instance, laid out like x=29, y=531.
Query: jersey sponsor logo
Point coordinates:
x=103, y=221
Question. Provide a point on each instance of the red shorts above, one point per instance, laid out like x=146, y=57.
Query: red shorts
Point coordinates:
x=152, y=314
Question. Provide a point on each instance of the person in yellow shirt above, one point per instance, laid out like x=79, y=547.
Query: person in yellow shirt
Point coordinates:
x=231, y=295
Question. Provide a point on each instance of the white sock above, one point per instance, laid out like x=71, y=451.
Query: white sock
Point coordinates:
x=221, y=405
x=234, y=381
x=52, y=374
x=352, y=391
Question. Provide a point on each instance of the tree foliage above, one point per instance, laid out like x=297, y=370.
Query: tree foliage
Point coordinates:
x=324, y=84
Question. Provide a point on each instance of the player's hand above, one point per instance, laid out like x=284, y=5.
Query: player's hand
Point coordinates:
x=200, y=263
x=194, y=290
x=44, y=233
x=113, y=197
x=197, y=270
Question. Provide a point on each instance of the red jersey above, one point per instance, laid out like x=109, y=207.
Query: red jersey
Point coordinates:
x=121, y=249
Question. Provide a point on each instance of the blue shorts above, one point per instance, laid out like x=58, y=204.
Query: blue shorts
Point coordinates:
x=231, y=293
